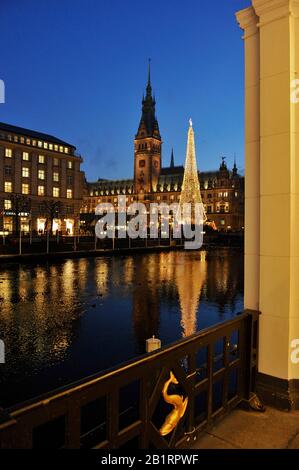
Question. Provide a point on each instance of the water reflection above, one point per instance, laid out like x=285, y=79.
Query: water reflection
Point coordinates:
x=190, y=278
x=61, y=321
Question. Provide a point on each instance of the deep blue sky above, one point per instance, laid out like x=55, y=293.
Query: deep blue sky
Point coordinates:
x=77, y=69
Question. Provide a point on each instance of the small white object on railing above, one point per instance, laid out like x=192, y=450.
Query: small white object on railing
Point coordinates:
x=152, y=344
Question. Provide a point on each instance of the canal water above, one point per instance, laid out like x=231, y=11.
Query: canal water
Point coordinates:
x=62, y=321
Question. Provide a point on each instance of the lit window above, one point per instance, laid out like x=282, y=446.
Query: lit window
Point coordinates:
x=50, y=146
x=26, y=156
x=8, y=153
x=41, y=190
x=25, y=188
x=55, y=162
x=41, y=174
x=7, y=204
x=45, y=145
x=25, y=172
x=66, y=150
x=8, y=187
x=56, y=176
x=56, y=148
x=225, y=194
x=28, y=141
x=60, y=148
x=22, y=140
x=220, y=195
x=236, y=194
x=41, y=159
x=69, y=193
x=34, y=143
x=16, y=138
x=40, y=144
x=55, y=192
x=70, y=164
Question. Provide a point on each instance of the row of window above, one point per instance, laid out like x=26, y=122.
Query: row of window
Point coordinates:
x=8, y=207
x=41, y=158
x=159, y=198
x=219, y=209
x=40, y=190
x=41, y=174
x=221, y=195
x=145, y=147
x=35, y=143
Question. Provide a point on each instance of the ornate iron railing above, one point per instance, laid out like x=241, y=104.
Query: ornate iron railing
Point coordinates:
x=124, y=407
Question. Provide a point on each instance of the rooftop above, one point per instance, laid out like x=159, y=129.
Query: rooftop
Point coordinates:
x=35, y=134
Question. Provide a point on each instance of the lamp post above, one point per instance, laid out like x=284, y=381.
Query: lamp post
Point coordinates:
x=20, y=240
x=47, y=241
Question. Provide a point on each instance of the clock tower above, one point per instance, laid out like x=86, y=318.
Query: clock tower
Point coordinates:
x=147, y=145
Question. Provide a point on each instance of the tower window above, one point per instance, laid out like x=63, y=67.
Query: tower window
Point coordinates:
x=141, y=163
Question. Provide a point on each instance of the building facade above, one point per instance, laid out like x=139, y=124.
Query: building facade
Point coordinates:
x=222, y=191
x=41, y=182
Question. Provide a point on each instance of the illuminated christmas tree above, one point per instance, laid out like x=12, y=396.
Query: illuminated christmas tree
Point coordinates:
x=191, y=188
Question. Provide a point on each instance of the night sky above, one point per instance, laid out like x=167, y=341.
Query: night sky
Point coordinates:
x=77, y=69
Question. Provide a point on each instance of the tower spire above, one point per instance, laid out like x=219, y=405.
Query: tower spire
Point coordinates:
x=172, y=159
x=191, y=188
x=149, y=86
x=149, y=71
x=148, y=126
x=235, y=168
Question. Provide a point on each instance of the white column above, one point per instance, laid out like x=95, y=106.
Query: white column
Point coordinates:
x=248, y=22
x=276, y=185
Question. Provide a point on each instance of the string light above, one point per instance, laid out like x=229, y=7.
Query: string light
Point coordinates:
x=191, y=188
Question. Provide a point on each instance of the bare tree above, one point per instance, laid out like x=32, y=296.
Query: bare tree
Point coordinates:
x=20, y=204
x=52, y=211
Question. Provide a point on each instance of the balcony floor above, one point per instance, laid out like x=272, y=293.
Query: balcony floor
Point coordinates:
x=241, y=429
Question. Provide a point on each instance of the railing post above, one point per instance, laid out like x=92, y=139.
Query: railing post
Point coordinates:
x=251, y=400
x=6, y=422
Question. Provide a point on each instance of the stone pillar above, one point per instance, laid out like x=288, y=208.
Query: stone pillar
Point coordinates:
x=248, y=22
x=278, y=230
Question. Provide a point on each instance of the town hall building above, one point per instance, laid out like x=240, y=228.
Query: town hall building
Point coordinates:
x=222, y=191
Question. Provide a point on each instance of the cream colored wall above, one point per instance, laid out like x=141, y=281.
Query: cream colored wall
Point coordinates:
x=248, y=21
x=294, y=301
x=278, y=232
